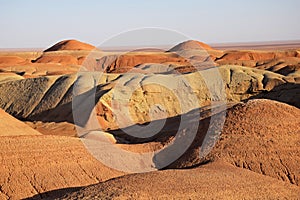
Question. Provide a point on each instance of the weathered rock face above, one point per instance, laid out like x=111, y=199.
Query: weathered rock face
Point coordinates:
x=9, y=76
x=256, y=55
x=127, y=61
x=184, y=58
x=50, y=98
x=282, y=62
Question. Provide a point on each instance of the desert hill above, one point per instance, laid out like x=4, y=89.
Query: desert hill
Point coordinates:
x=70, y=45
x=268, y=129
x=55, y=93
x=282, y=62
x=212, y=181
x=62, y=59
x=255, y=94
x=272, y=152
x=67, y=56
x=191, y=45
x=127, y=61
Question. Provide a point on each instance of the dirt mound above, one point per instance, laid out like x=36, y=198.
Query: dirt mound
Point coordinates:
x=61, y=59
x=268, y=129
x=181, y=62
x=10, y=126
x=213, y=181
x=31, y=165
x=262, y=136
x=70, y=45
x=190, y=45
x=124, y=63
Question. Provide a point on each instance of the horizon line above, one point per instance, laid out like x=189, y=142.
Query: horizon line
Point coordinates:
x=214, y=45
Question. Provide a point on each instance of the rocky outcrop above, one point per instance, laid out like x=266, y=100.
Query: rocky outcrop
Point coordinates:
x=282, y=62
x=50, y=98
x=9, y=76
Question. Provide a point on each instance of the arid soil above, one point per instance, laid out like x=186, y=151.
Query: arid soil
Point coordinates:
x=212, y=181
x=10, y=126
x=32, y=165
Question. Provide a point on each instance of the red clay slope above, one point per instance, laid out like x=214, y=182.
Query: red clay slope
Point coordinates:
x=70, y=45
x=191, y=45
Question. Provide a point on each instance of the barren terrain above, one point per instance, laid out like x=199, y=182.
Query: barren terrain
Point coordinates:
x=247, y=96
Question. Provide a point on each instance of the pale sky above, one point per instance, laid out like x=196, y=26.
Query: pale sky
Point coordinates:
x=41, y=23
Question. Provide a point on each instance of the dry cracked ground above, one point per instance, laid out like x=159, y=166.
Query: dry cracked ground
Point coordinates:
x=58, y=105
